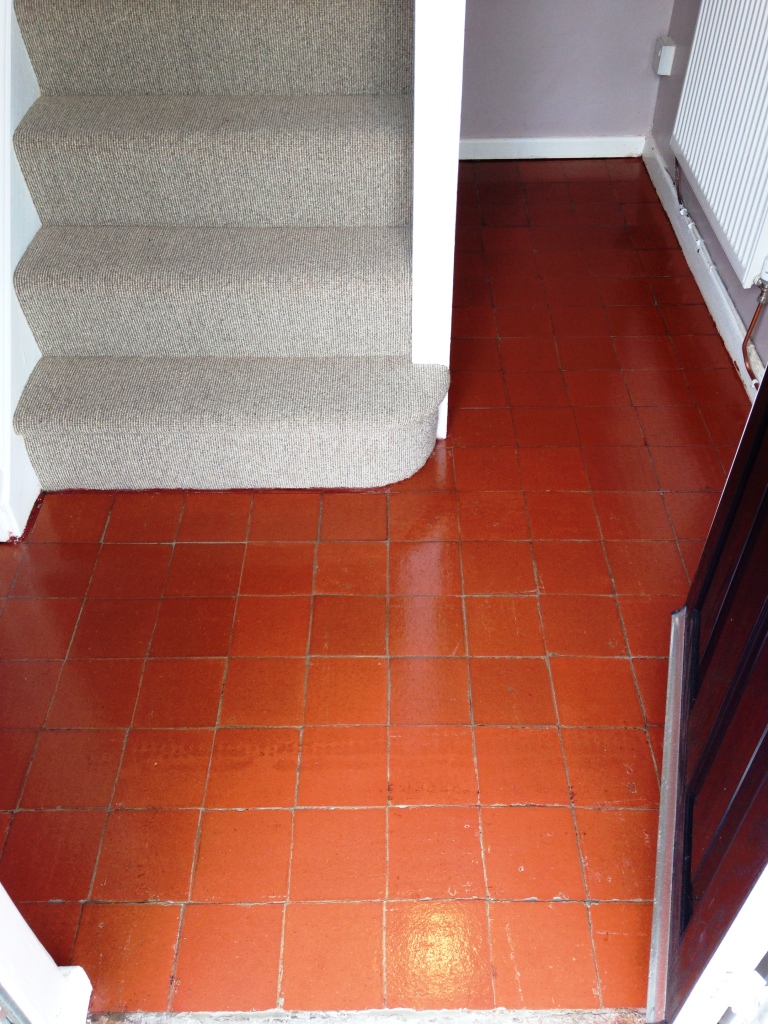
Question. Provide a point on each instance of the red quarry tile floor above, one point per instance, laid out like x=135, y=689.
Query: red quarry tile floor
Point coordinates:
x=400, y=748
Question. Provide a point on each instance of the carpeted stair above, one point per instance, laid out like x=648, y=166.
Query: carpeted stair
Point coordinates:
x=221, y=287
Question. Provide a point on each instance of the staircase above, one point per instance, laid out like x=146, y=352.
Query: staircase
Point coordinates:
x=221, y=286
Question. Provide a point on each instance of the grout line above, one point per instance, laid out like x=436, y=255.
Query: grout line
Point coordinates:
x=574, y=818
x=566, y=771
x=405, y=900
x=63, y=662
x=307, y=660
x=610, y=569
x=108, y=808
x=480, y=823
x=481, y=835
x=371, y=596
x=215, y=730
x=574, y=821
x=603, y=543
x=371, y=657
x=624, y=808
x=23, y=548
x=128, y=732
x=375, y=726
x=624, y=634
x=41, y=730
x=384, y=963
x=107, y=520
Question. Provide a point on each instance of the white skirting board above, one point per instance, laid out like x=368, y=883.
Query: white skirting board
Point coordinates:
x=719, y=302
x=556, y=148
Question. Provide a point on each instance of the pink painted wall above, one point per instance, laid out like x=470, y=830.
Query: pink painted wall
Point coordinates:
x=682, y=25
x=539, y=68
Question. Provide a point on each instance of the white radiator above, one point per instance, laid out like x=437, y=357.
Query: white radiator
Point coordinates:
x=721, y=132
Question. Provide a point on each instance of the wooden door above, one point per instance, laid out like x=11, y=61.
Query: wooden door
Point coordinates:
x=713, y=842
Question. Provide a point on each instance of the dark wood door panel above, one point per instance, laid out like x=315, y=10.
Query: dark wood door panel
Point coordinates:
x=728, y=772
x=728, y=506
x=714, y=597
x=739, y=635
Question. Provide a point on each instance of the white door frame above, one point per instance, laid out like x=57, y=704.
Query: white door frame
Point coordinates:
x=438, y=77
x=729, y=980
x=33, y=990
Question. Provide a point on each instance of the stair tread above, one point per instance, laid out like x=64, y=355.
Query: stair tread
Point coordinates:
x=104, y=394
x=219, y=160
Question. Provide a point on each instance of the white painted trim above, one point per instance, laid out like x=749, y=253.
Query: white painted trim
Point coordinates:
x=715, y=294
x=725, y=977
x=19, y=486
x=554, y=148
x=442, y=418
x=32, y=987
x=439, y=57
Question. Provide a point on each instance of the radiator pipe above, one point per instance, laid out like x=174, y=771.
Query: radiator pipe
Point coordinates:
x=762, y=301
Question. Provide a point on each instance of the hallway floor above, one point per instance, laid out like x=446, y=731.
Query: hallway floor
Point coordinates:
x=399, y=748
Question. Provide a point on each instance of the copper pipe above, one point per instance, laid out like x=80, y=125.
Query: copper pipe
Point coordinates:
x=762, y=301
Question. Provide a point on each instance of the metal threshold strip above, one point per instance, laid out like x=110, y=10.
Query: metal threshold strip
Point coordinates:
x=381, y=1017
x=662, y=897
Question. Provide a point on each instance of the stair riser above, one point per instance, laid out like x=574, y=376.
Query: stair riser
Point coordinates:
x=225, y=458
x=274, y=47
x=221, y=322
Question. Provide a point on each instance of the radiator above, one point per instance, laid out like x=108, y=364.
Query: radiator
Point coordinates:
x=720, y=136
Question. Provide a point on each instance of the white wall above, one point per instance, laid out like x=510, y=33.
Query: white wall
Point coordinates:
x=563, y=68
x=19, y=486
x=32, y=987
x=437, y=111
